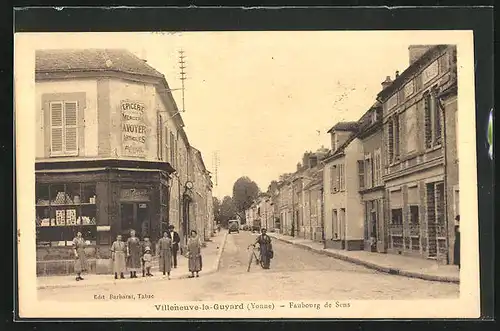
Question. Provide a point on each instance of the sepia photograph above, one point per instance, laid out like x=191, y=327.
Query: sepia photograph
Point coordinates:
x=298, y=174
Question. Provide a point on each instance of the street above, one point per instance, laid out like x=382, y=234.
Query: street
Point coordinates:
x=295, y=274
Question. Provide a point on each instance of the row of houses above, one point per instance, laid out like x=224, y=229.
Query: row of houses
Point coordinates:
x=112, y=154
x=389, y=181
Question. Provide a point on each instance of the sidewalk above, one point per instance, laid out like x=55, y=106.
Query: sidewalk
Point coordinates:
x=389, y=263
x=211, y=259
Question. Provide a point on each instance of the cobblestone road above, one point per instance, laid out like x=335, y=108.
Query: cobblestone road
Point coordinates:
x=295, y=274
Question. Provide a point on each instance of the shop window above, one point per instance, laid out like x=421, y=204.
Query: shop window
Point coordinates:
x=414, y=217
x=64, y=128
x=62, y=210
x=397, y=216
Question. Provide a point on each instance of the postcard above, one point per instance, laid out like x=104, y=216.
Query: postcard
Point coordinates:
x=285, y=174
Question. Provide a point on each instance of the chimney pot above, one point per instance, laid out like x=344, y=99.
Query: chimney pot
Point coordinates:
x=397, y=73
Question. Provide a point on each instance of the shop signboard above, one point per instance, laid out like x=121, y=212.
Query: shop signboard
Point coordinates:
x=134, y=194
x=134, y=128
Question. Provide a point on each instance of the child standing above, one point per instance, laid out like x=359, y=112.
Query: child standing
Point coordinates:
x=147, y=258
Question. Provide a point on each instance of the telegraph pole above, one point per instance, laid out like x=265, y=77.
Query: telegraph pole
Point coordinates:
x=182, y=66
x=216, y=167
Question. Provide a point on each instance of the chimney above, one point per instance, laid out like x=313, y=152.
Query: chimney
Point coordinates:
x=397, y=74
x=313, y=161
x=386, y=82
x=416, y=51
x=299, y=166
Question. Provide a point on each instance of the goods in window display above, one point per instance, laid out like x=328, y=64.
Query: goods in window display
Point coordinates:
x=60, y=217
x=71, y=216
x=62, y=199
x=45, y=222
x=76, y=199
x=42, y=202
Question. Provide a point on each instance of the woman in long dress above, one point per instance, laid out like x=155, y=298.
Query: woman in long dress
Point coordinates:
x=133, y=254
x=165, y=254
x=118, y=255
x=194, y=254
x=266, y=249
x=81, y=264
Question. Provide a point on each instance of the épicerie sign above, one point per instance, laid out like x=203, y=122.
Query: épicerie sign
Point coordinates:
x=134, y=128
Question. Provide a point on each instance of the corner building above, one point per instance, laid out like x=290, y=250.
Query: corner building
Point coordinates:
x=111, y=154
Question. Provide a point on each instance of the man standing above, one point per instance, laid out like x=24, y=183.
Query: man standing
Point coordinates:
x=174, y=236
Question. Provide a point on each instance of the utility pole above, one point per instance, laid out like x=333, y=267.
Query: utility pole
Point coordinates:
x=216, y=167
x=182, y=66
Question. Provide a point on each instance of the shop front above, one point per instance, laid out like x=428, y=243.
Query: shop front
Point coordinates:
x=101, y=199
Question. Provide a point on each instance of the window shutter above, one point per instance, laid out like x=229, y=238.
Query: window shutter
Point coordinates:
x=172, y=150
x=70, y=127
x=361, y=174
x=331, y=179
x=390, y=141
x=428, y=121
x=56, y=127
x=437, y=119
x=337, y=175
x=396, y=136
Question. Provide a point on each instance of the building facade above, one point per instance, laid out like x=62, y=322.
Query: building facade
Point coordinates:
x=415, y=168
x=343, y=210
x=371, y=185
x=111, y=152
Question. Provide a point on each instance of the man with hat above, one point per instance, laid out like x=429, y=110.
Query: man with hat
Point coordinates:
x=175, y=243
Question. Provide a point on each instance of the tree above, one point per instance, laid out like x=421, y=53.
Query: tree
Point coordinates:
x=227, y=211
x=217, y=209
x=245, y=191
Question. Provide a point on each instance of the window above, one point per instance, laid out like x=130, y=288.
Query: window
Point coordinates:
x=414, y=216
x=64, y=128
x=435, y=203
x=432, y=120
x=397, y=216
x=361, y=174
x=64, y=209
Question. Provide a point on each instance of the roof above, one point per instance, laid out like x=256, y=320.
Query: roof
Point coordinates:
x=410, y=71
x=344, y=126
x=64, y=60
x=56, y=61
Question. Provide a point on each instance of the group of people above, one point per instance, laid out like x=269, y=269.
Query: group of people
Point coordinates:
x=135, y=255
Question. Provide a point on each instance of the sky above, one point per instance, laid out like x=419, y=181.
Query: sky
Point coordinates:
x=261, y=99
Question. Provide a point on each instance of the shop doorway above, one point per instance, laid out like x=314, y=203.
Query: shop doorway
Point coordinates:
x=136, y=216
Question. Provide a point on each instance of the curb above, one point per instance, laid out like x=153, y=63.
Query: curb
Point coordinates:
x=144, y=279
x=221, y=250
x=369, y=265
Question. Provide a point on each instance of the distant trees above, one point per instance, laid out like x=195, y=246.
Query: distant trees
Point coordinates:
x=245, y=191
x=227, y=211
x=216, y=207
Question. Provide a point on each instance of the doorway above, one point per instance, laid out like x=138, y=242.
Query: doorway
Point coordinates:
x=136, y=216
